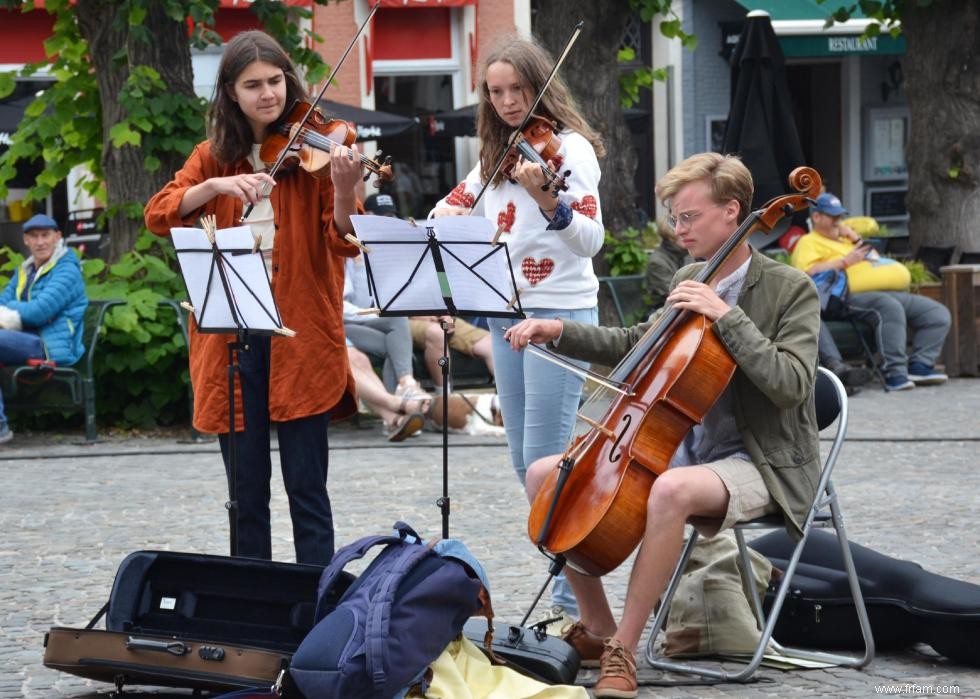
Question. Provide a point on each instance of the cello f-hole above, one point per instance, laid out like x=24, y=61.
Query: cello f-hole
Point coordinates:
x=628, y=420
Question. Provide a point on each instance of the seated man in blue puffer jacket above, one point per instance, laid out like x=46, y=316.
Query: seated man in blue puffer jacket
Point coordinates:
x=43, y=306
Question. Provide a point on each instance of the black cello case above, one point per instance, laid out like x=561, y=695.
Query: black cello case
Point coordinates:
x=906, y=604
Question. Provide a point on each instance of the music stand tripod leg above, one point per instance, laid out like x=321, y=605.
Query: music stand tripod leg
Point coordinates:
x=443, y=502
x=240, y=343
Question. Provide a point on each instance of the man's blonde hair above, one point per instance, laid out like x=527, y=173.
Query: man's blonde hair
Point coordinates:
x=726, y=174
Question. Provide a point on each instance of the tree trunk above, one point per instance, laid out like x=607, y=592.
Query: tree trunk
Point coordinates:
x=942, y=80
x=592, y=74
x=168, y=52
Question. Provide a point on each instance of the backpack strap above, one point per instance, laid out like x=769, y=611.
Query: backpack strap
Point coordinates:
x=348, y=553
x=379, y=617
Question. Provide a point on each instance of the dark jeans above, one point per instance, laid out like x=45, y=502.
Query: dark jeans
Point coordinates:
x=303, y=455
x=17, y=347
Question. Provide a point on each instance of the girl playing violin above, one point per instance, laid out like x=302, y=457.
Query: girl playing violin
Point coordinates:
x=298, y=382
x=551, y=242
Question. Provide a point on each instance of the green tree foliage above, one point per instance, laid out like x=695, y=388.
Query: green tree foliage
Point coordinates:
x=63, y=127
x=141, y=360
x=632, y=82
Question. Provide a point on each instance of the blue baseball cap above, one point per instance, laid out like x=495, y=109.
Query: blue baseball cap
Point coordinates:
x=40, y=221
x=829, y=204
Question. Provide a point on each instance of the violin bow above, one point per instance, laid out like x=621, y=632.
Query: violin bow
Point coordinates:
x=530, y=112
x=306, y=117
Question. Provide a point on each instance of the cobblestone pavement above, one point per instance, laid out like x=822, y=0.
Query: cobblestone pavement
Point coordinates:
x=908, y=479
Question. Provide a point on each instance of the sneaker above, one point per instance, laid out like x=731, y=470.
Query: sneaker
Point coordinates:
x=898, y=382
x=6, y=434
x=617, y=674
x=924, y=375
x=588, y=646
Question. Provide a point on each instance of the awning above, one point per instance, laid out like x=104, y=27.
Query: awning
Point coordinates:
x=800, y=27
x=462, y=121
x=370, y=124
x=11, y=112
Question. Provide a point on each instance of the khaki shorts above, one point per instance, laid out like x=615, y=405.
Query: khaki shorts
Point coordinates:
x=748, y=496
x=462, y=339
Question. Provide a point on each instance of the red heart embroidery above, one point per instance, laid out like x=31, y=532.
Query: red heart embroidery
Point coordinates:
x=460, y=197
x=536, y=270
x=505, y=219
x=587, y=206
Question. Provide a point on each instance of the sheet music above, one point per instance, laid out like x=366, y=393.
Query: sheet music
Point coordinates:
x=246, y=274
x=478, y=273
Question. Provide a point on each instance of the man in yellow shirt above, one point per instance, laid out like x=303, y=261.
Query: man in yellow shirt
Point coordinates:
x=879, y=286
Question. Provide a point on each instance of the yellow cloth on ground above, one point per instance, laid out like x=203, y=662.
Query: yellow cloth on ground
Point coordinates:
x=463, y=672
x=881, y=274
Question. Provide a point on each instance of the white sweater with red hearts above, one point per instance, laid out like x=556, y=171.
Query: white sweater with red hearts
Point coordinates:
x=552, y=268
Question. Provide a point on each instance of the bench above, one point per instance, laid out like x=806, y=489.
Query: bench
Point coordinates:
x=32, y=388
x=68, y=388
x=628, y=295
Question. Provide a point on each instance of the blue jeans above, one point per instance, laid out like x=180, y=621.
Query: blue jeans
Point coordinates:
x=303, y=457
x=16, y=348
x=538, y=400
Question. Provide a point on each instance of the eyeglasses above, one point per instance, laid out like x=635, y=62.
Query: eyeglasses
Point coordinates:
x=687, y=218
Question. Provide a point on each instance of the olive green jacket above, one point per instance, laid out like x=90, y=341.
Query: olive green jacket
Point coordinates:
x=772, y=336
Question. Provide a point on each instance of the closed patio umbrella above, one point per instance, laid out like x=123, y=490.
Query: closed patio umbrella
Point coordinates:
x=760, y=125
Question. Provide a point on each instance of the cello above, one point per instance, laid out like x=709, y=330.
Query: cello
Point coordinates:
x=591, y=510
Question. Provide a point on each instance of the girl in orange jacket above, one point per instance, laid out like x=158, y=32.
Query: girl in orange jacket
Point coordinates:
x=298, y=382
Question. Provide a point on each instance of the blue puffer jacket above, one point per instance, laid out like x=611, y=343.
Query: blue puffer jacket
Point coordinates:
x=53, y=306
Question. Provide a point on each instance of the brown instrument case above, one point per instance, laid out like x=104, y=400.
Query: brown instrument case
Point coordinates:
x=193, y=620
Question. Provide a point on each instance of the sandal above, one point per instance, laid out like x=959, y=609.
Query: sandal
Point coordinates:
x=404, y=427
x=422, y=401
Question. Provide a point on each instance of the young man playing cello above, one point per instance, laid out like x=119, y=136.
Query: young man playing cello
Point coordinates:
x=757, y=449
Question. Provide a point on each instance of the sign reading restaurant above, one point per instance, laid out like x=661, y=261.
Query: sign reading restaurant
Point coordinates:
x=852, y=44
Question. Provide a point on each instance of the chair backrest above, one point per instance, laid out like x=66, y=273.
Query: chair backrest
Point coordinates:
x=830, y=399
x=627, y=292
x=969, y=258
x=934, y=258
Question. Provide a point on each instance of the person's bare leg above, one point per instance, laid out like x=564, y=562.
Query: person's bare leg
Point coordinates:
x=676, y=495
x=482, y=350
x=433, y=352
x=372, y=391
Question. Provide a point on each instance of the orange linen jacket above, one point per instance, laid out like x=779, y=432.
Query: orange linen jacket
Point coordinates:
x=308, y=373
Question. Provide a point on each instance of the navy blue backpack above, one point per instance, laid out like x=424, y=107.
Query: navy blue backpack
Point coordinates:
x=394, y=619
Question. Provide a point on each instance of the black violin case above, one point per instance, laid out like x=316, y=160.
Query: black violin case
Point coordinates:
x=906, y=604
x=528, y=650
x=193, y=620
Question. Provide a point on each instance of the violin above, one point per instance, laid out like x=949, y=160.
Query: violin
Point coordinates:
x=591, y=510
x=311, y=147
x=538, y=143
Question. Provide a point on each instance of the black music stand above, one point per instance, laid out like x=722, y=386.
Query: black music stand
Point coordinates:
x=230, y=292
x=446, y=266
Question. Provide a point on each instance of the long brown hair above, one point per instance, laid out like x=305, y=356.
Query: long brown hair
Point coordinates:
x=533, y=64
x=228, y=130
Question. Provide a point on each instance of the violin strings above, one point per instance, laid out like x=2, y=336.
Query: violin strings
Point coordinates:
x=317, y=139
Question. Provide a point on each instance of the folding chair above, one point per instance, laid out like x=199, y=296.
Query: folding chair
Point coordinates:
x=831, y=405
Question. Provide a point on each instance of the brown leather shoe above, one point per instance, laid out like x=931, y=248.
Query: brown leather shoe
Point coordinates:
x=588, y=646
x=617, y=673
